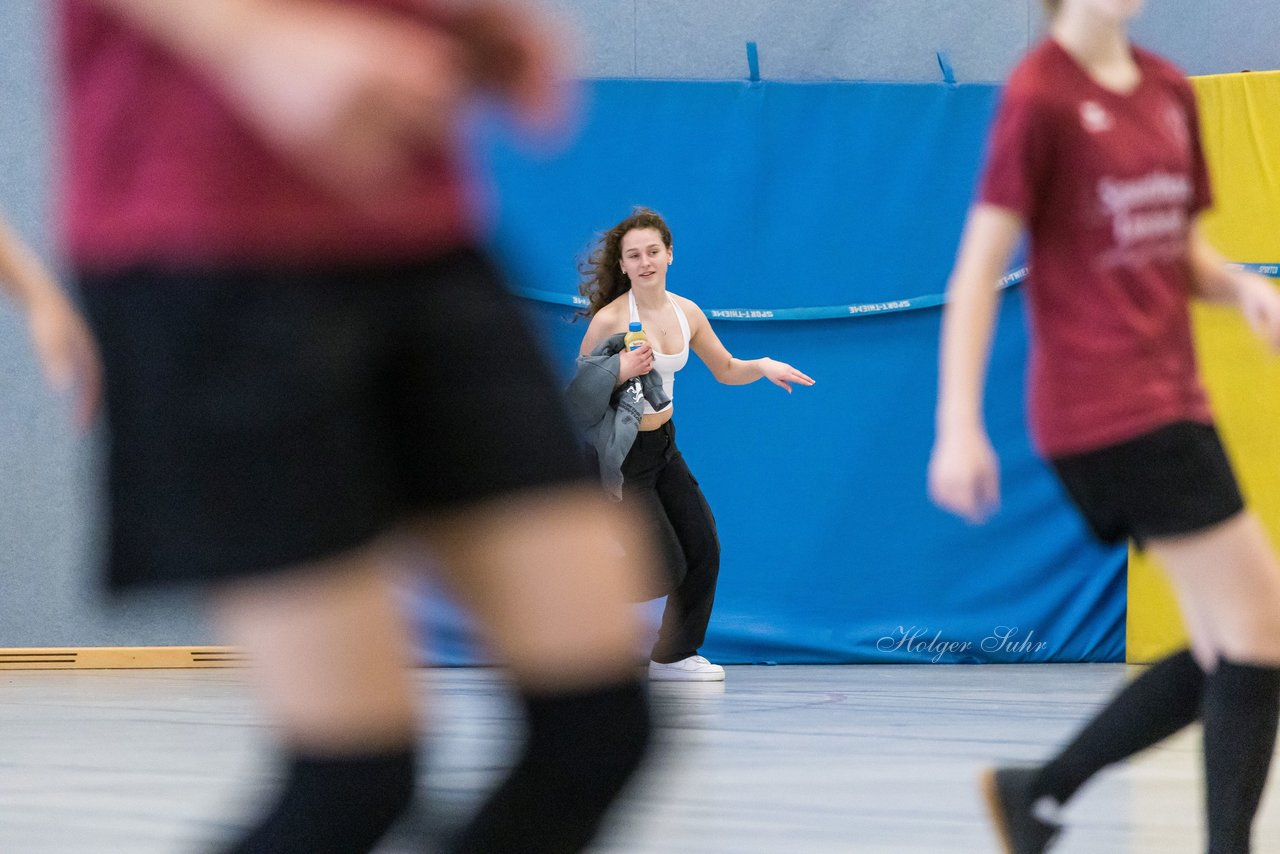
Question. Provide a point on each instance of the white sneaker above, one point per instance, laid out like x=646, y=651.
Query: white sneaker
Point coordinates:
x=695, y=668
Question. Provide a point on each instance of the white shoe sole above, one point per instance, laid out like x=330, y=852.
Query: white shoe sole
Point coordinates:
x=684, y=676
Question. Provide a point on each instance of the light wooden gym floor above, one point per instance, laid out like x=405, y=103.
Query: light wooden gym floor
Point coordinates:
x=779, y=760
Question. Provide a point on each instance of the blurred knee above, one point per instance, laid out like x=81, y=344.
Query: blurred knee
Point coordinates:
x=1253, y=636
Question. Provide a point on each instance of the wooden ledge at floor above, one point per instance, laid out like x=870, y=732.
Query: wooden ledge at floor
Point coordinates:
x=119, y=657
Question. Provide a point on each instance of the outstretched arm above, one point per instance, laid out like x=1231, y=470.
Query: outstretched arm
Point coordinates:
x=63, y=344
x=963, y=472
x=728, y=369
x=1255, y=296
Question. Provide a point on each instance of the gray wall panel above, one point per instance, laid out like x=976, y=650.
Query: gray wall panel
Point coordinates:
x=1213, y=36
x=829, y=39
x=606, y=34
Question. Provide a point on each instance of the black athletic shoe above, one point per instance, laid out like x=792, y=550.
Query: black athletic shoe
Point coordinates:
x=1011, y=803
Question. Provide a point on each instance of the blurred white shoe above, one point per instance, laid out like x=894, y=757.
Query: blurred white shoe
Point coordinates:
x=695, y=668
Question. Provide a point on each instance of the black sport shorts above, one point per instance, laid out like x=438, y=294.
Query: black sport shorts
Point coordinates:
x=1174, y=480
x=264, y=419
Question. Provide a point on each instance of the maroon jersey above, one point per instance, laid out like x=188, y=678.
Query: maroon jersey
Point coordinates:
x=159, y=169
x=1108, y=185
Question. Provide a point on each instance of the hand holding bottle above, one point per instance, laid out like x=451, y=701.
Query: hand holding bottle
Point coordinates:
x=636, y=361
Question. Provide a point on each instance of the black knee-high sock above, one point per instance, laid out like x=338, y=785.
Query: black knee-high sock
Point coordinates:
x=334, y=805
x=581, y=749
x=1148, y=710
x=1241, y=706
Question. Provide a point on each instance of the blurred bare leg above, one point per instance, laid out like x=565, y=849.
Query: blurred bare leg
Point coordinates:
x=329, y=651
x=1232, y=574
x=541, y=573
x=1228, y=586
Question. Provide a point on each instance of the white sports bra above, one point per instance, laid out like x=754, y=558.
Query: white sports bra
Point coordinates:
x=666, y=365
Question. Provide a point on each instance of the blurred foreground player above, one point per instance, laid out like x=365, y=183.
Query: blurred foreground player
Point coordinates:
x=312, y=367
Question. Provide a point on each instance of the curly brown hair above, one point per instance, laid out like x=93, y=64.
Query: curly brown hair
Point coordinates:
x=602, y=278
x=1052, y=6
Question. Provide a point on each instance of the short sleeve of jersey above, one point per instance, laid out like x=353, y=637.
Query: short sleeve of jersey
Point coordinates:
x=1018, y=153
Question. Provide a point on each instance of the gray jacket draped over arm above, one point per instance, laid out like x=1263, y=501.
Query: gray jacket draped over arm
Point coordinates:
x=607, y=414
